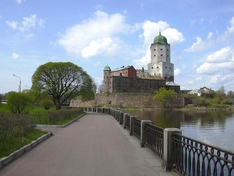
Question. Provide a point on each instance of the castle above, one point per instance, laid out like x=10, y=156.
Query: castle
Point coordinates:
x=160, y=72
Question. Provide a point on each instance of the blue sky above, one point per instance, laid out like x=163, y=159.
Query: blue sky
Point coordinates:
x=93, y=34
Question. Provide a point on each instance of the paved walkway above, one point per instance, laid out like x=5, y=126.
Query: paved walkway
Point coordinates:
x=95, y=145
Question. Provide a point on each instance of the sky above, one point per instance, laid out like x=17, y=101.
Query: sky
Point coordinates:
x=96, y=33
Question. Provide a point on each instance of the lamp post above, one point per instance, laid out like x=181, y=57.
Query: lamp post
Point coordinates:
x=19, y=82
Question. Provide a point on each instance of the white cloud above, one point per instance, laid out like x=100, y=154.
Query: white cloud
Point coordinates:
x=27, y=23
x=210, y=35
x=19, y=1
x=97, y=64
x=12, y=24
x=211, y=68
x=221, y=62
x=15, y=56
x=95, y=33
x=198, y=78
x=177, y=72
x=173, y=36
x=151, y=29
x=231, y=27
x=142, y=62
x=100, y=46
x=223, y=55
x=199, y=45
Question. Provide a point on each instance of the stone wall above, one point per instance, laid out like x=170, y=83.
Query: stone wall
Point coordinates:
x=135, y=85
x=124, y=99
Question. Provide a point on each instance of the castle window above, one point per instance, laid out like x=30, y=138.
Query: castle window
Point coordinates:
x=161, y=54
x=154, y=55
x=154, y=49
x=152, y=67
x=157, y=67
x=161, y=49
x=165, y=67
x=170, y=67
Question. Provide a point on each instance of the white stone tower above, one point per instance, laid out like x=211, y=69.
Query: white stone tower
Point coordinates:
x=106, y=79
x=161, y=59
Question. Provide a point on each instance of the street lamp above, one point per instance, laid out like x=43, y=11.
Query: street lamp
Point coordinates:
x=19, y=82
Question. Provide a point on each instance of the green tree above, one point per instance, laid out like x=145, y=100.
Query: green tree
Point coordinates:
x=19, y=103
x=230, y=94
x=164, y=96
x=220, y=94
x=46, y=103
x=63, y=81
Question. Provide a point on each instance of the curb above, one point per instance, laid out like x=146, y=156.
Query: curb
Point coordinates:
x=68, y=123
x=16, y=154
x=59, y=126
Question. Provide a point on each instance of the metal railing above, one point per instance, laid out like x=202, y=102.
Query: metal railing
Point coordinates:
x=154, y=139
x=127, y=122
x=136, y=127
x=196, y=158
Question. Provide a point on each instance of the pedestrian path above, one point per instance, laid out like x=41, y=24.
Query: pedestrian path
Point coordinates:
x=95, y=145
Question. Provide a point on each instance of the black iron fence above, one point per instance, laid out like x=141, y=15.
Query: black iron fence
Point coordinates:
x=154, y=139
x=136, y=124
x=196, y=158
x=181, y=154
x=127, y=121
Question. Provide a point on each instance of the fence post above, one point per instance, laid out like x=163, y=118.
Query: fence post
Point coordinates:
x=168, y=148
x=121, y=118
x=124, y=119
x=143, y=132
x=131, y=125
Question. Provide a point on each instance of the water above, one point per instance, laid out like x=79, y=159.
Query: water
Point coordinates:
x=214, y=128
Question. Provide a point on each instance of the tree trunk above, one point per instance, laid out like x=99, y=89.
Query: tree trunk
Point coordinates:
x=57, y=104
x=58, y=107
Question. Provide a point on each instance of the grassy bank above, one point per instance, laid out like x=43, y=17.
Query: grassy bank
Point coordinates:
x=16, y=129
x=11, y=144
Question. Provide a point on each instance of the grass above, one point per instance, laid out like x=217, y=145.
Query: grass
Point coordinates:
x=16, y=133
x=64, y=121
x=12, y=144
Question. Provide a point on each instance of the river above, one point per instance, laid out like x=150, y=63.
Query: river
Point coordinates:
x=214, y=128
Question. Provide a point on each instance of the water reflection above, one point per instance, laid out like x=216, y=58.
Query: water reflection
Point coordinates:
x=215, y=128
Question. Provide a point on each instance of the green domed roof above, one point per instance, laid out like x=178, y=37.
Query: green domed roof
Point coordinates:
x=160, y=39
x=107, y=68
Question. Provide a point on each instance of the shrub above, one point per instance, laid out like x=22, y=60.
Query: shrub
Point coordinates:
x=19, y=103
x=201, y=102
x=227, y=101
x=46, y=103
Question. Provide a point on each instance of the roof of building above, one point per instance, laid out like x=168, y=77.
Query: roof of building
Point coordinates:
x=160, y=39
x=170, y=83
x=122, y=68
x=107, y=68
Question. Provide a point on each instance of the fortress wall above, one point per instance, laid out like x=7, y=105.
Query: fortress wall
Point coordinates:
x=124, y=99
